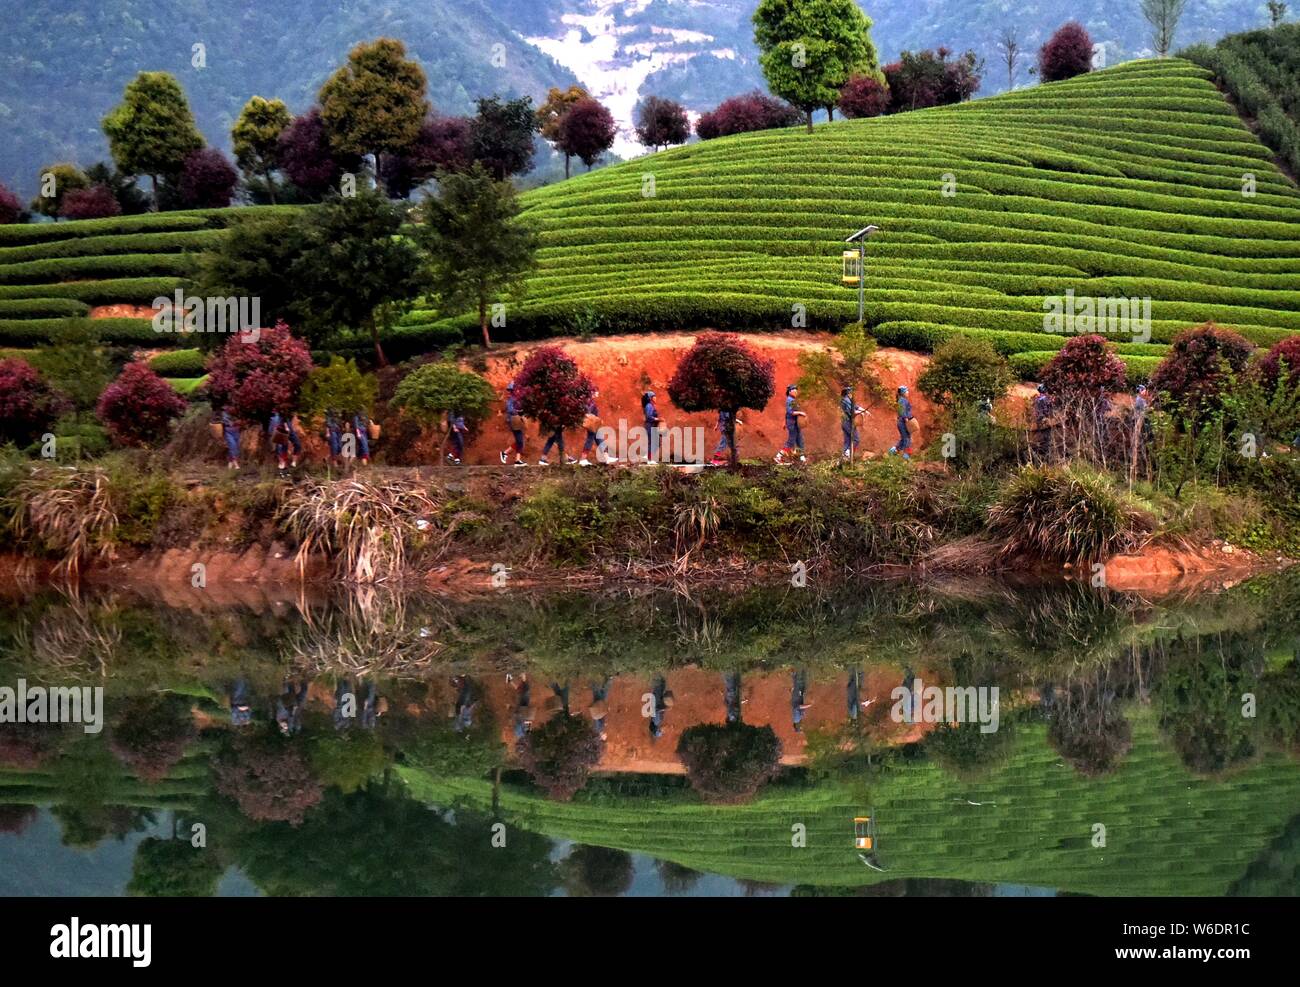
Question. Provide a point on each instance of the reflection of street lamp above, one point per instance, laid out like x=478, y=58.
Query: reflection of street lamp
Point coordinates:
x=860, y=238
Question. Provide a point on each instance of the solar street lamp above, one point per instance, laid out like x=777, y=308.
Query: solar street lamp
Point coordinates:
x=855, y=266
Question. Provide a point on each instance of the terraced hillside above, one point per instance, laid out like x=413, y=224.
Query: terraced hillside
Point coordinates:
x=1167, y=832
x=52, y=276
x=1123, y=183
x=1126, y=182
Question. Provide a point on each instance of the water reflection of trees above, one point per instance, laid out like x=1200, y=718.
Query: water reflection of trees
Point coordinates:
x=1085, y=719
x=597, y=872
x=1089, y=657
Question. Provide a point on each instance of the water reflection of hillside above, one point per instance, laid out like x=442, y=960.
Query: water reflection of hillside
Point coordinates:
x=1114, y=710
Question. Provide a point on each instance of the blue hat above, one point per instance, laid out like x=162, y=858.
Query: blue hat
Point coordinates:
x=902, y=389
x=790, y=388
x=649, y=394
x=1142, y=387
x=1042, y=388
x=510, y=386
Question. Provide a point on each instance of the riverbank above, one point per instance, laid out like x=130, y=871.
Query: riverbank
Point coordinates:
x=490, y=529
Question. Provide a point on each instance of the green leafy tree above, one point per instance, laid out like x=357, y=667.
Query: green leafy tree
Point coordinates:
x=808, y=49
x=256, y=139
x=56, y=181
x=376, y=101
x=356, y=271
x=850, y=362
x=174, y=869
x=152, y=130
x=477, y=247
x=255, y=259
x=430, y=391
x=965, y=371
x=550, y=115
x=501, y=135
x=339, y=386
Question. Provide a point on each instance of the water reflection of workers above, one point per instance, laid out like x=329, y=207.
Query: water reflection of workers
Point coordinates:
x=799, y=699
x=854, y=691
x=732, y=697
x=663, y=701
x=241, y=710
x=562, y=694
x=372, y=707
x=524, y=713
x=599, y=708
x=466, y=702
x=909, y=681
x=289, y=707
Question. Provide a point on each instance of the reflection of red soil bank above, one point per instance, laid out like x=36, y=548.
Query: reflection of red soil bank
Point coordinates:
x=699, y=697
x=1163, y=569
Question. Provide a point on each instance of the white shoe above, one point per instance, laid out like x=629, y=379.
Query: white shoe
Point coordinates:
x=520, y=462
x=583, y=461
x=542, y=462
x=570, y=461
x=503, y=458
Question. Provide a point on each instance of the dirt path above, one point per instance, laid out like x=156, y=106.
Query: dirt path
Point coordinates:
x=625, y=366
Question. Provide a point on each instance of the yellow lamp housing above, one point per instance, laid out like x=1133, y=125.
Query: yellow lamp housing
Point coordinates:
x=864, y=833
x=852, y=268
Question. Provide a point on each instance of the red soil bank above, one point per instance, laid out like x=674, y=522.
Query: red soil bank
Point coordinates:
x=625, y=366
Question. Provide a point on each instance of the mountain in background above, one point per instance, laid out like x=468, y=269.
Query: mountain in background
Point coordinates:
x=64, y=63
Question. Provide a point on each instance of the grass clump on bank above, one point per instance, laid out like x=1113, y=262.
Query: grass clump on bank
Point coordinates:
x=1067, y=514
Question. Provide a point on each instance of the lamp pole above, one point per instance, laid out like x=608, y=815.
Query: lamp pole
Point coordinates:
x=862, y=280
x=860, y=238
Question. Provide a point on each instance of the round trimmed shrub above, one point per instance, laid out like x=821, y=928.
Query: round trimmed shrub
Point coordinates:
x=253, y=379
x=139, y=407
x=29, y=407
x=95, y=202
x=1066, y=54
x=728, y=764
x=430, y=391
x=560, y=754
x=1086, y=366
x=11, y=209
x=1281, y=362
x=863, y=96
x=552, y=390
x=208, y=180
x=1201, y=363
x=965, y=371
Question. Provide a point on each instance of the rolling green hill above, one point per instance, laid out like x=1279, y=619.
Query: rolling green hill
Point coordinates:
x=1127, y=182
x=1122, y=183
